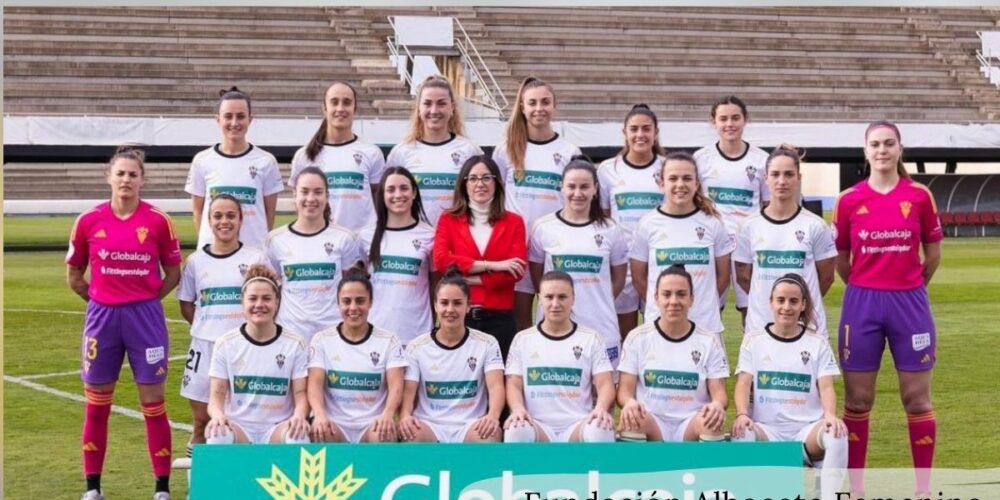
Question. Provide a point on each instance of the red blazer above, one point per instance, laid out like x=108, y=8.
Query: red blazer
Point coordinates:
x=453, y=244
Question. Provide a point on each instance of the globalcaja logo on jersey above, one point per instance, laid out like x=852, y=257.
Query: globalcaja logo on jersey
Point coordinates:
x=781, y=259
x=539, y=180
x=399, y=265
x=668, y=379
x=436, y=181
x=314, y=271
x=638, y=201
x=245, y=195
x=682, y=255
x=463, y=389
x=784, y=381
x=353, y=381
x=265, y=386
x=345, y=180
x=577, y=263
x=730, y=196
x=220, y=296
x=555, y=375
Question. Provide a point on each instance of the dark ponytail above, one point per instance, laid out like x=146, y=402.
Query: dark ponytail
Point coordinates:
x=319, y=138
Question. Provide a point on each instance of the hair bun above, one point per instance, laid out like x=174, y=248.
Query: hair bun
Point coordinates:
x=580, y=157
x=641, y=106
x=452, y=272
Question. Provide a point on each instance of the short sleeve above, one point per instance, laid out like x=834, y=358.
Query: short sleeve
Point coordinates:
x=169, y=244
x=604, y=186
x=823, y=245
x=514, y=364
x=745, y=364
x=493, y=358
x=501, y=159
x=717, y=366
x=394, y=354
x=188, y=289
x=299, y=162
x=397, y=158
x=220, y=366
x=842, y=223
x=826, y=364
x=195, y=183
x=743, y=252
x=376, y=165
x=271, y=255
x=79, y=248
x=629, y=361
x=599, y=362
x=413, y=365
x=619, y=247
x=300, y=363
x=536, y=247
x=317, y=353
x=723, y=244
x=272, y=177
x=930, y=223
x=640, y=243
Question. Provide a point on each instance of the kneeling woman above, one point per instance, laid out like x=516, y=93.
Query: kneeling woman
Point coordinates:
x=454, y=382
x=264, y=366
x=666, y=367
x=561, y=362
x=788, y=359
x=355, y=372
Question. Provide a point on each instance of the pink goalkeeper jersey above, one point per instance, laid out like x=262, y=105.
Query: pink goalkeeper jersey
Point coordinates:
x=124, y=255
x=884, y=232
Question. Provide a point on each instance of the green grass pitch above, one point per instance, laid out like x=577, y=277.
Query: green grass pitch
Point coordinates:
x=43, y=320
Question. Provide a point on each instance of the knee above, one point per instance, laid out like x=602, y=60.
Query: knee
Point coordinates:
x=520, y=434
x=749, y=436
x=859, y=401
x=291, y=440
x=917, y=404
x=593, y=433
x=223, y=436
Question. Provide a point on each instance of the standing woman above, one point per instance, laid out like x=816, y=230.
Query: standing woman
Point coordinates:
x=454, y=390
x=399, y=248
x=783, y=239
x=881, y=224
x=630, y=188
x=355, y=372
x=531, y=158
x=584, y=243
x=685, y=229
x=487, y=244
x=731, y=173
x=210, y=300
x=311, y=253
x=237, y=168
x=353, y=168
x=126, y=242
x=436, y=146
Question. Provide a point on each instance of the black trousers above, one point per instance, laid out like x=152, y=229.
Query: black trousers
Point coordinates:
x=496, y=322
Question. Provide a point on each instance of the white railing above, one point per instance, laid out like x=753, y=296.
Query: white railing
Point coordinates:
x=989, y=56
x=390, y=42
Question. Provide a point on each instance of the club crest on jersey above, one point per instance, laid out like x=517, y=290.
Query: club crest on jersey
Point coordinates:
x=577, y=351
x=696, y=356
x=557, y=159
x=456, y=158
x=280, y=360
x=700, y=231
x=472, y=363
x=805, y=357
x=357, y=158
x=243, y=269
x=416, y=244
x=328, y=246
x=751, y=172
x=374, y=357
x=800, y=235
x=599, y=239
x=253, y=171
x=141, y=232
x=185, y=380
x=904, y=208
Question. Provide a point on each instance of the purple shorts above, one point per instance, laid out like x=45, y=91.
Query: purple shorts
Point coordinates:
x=139, y=329
x=871, y=317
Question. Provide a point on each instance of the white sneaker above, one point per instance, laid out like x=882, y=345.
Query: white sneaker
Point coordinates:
x=182, y=463
x=161, y=495
x=92, y=495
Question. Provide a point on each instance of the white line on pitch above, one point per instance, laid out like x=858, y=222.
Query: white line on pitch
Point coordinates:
x=77, y=372
x=78, y=313
x=121, y=410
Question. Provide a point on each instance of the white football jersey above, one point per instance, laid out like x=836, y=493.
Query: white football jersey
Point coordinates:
x=400, y=282
x=356, y=389
x=629, y=191
x=736, y=185
x=786, y=375
x=451, y=381
x=311, y=267
x=214, y=284
x=351, y=168
x=537, y=192
x=776, y=248
x=673, y=374
x=587, y=253
x=558, y=373
x=435, y=167
x=260, y=375
x=695, y=240
x=248, y=177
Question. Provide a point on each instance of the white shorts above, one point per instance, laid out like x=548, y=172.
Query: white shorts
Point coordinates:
x=673, y=430
x=525, y=285
x=742, y=300
x=195, y=383
x=559, y=433
x=449, y=433
x=353, y=432
x=788, y=431
x=257, y=433
x=627, y=301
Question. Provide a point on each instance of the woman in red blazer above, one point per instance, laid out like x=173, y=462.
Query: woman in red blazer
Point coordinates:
x=487, y=244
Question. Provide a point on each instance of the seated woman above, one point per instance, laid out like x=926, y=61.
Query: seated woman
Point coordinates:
x=355, y=372
x=672, y=373
x=258, y=373
x=454, y=382
x=562, y=363
x=791, y=362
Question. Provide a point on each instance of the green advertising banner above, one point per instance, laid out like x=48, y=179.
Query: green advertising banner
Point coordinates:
x=615, y=471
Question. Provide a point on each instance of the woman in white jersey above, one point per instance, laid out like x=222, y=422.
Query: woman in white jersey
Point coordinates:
x=312, y=254
x=436, y=146
x=672, y=375
x=209, y=296
x=399, y=246
x=352, y=167
x=783, y=238
x=630, y=188
x=454, y=389
x=586, y=244
x=685, y=229
x=258, y=389
x=553, y=369
x=238, y=168
x=790, y=368
x=355, y=372
x=731, y=173
x=531, y=158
